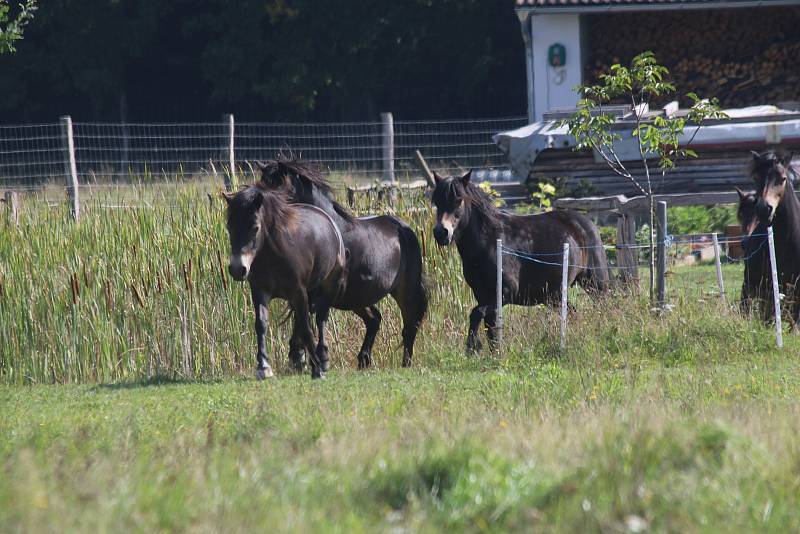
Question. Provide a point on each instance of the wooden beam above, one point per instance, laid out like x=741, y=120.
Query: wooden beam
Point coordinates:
x=623, y=204
x=423, y=166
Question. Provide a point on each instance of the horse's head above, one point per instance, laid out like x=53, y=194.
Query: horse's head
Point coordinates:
x=252, y=213
x=298, y=180
x=452, y=200
x=771, y=173
x=746, y=212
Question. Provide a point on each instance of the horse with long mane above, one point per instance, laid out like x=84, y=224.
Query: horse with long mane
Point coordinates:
x=385, y=257
x=777, y=206
x=756, y=289
x=466, y=215
x=264, y=231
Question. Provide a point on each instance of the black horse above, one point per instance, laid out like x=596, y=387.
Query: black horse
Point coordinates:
x=756, y=288
x=265, y=231
x=384, y=256
x=466, y=215
x=777, y=206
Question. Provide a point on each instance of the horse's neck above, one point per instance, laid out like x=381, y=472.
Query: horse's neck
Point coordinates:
x=478, y=238
x=323, y=202
x=788, y=217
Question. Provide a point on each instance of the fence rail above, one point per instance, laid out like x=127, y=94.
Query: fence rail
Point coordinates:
x=32, y=156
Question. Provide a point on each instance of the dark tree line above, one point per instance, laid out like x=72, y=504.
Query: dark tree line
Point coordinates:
x=266, y=60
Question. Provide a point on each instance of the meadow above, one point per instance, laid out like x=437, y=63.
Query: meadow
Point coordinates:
x=127, y=358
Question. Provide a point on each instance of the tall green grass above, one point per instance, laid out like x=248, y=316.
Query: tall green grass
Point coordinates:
x=142, y=290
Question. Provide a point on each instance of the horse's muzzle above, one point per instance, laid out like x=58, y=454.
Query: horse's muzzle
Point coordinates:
x=764, y=211
x=441, y=235
x=238, y=272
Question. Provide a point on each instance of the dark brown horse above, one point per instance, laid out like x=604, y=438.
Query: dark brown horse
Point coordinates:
x=777, y=206
x=465, y=215
x=384, y=256
x=292, y=252
x=756, y=288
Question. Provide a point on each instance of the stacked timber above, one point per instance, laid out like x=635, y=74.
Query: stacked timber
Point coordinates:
x=741, y=56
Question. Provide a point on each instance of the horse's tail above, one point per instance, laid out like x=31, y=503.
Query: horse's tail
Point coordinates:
x=416, y=285
x=598, y=276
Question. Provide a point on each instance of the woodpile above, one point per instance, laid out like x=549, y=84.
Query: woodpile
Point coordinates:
x=741, y=56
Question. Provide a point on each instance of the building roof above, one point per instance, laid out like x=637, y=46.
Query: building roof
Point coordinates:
x=641, y=5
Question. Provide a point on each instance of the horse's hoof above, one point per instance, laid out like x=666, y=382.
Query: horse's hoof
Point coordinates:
x=318, y=376
x=364, y=361
x=266, y=372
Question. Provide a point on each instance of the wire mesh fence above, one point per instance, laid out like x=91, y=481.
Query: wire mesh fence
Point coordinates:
x=34, y=156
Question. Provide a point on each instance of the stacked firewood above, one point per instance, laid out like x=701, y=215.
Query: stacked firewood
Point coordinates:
x=741, y=56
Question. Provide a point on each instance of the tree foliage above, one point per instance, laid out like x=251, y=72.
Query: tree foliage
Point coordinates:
x=267, y=60
x=12, y=25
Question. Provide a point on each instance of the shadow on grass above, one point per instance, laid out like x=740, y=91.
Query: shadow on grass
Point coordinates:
x=157, y=381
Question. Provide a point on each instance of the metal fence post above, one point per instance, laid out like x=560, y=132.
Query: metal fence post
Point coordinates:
x=564, y=292
x=71, y=166
x=230, y=156
x=388, y=146
x=661, y=253
x=776, y=293
x=499, y=294
x=718, y=262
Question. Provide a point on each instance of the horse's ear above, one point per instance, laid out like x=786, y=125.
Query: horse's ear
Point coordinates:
x=227, y=196
x=261, y=165
x=437, y=178
x=756, y=155
x=741, y=193
x=466, y=178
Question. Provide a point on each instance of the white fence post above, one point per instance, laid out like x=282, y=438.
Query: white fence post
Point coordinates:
x=564, y=291
x=661, y=254
x=71, y=166
x=720, y=282
x=499, y=295
x=388, y=146
x=776, y=294
x=230, y=178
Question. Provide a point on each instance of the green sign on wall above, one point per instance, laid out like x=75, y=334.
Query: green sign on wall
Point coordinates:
x=557, y=55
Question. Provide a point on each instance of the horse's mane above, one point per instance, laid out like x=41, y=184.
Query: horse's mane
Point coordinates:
x=478, y=199
x=297, y=169
x=278, y=214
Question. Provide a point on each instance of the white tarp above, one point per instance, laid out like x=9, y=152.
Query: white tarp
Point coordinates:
x=523, y=145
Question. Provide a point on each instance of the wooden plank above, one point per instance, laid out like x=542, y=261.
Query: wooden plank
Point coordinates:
x=624, y=204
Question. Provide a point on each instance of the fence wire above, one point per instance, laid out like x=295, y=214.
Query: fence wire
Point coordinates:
x=33, y=156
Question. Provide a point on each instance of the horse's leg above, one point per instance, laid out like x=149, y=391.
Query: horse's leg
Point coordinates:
x=302, y=325
x=323, y=311
x=261, y=308
x=490, y=322
x=372, y=321
x=297, y=355
x=413, y=304
x=475, y=318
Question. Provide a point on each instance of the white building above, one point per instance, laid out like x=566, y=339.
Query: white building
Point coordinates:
x=560, y=42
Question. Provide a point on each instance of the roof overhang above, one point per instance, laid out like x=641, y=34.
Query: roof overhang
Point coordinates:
x=656, y=5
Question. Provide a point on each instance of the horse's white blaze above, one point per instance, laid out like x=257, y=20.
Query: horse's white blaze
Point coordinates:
x=449, y=222
x=242, y=260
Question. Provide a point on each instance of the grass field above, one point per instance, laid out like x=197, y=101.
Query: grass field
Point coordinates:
x=686, y=422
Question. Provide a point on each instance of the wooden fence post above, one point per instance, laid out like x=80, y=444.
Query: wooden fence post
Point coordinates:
x=499, y=295
x=661, y=254
x=230, y=156
x=776, y=290
x=564, y=292
x=11, y=198
x=626, y=256
x=388, y=146
x=423, y=166
x=68, y=143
